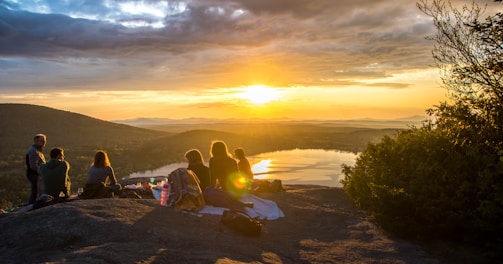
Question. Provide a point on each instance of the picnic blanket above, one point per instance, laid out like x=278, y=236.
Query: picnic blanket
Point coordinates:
x=262, y=208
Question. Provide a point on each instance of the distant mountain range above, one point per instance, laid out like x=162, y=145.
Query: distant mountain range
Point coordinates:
x=364, y=122
x=149, y=122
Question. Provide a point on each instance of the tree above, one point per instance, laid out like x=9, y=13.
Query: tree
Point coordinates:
x=447, y=175
x=469, y=54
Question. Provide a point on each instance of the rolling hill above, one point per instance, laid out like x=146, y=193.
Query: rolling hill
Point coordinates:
x=20, y=122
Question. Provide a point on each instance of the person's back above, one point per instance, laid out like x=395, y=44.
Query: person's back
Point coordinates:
x=203, y=174
x=54, y=174
x=222, y=166
x=243, y=164
x=101, y=180
x=196, y=165
x=101, y=170
x=101, y=174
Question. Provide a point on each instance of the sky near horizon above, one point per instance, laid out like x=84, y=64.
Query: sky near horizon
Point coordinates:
x=298, y=59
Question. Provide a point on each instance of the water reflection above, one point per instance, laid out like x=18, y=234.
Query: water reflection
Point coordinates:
x=299, y=166
x=311, y=166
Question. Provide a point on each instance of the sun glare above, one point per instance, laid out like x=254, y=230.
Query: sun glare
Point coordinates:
x=259, y=94
x=261, y=169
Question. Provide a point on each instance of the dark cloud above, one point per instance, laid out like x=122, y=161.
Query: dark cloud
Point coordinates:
x=200, y=25
x=83, y=40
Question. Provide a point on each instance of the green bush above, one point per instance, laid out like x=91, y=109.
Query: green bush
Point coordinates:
x=421, y=184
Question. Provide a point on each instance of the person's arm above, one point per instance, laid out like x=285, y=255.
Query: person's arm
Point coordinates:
x=68, y=183
x=249, y=171
x=234, y=168
x=113, y=179
x=33, y=159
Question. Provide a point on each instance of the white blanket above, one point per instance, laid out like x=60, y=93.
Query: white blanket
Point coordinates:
x=262, y=208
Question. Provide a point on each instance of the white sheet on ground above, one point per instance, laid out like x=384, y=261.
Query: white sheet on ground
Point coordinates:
x=262, y=208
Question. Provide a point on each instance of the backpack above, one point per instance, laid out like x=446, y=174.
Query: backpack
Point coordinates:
x=184, y=191
x=241, y=222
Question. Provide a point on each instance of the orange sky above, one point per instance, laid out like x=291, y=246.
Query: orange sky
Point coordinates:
x=127, y=59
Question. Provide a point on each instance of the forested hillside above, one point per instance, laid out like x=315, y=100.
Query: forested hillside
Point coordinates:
x=20, y=122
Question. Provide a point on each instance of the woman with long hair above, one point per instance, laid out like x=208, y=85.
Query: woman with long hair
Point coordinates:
x=101, y=170
x=101, y=180
x=222, y=166
x=224, y=173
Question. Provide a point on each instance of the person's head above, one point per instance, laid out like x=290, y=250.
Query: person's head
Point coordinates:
x=240, y=153
x=219, y=149
x=40, y=140
x=101, y=159
x=194, y=156
x=57, y=153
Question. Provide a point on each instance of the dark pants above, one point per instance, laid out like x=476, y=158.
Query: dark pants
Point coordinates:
x=33, y=178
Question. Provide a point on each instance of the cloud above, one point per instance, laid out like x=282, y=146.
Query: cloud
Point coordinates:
x=188, y=44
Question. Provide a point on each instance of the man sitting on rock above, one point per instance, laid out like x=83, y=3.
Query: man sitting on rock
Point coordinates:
x=54, y=173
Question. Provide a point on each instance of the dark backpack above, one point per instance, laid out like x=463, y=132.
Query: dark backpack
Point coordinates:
x=241, y=222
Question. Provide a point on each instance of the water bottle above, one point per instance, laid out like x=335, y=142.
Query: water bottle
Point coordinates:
x=164, y=194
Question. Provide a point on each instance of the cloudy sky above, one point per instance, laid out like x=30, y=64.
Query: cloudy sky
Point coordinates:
x=318, y=59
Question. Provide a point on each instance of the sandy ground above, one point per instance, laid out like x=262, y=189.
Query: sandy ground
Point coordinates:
x=320, y=225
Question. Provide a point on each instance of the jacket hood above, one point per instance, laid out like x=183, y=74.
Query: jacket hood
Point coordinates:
x=53, y=163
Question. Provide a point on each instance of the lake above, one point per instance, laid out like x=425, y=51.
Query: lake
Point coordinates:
x=298, y=166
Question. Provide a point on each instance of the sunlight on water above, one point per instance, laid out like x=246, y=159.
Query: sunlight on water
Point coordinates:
x=311, y=166
x=299, y=166
x=261, y=168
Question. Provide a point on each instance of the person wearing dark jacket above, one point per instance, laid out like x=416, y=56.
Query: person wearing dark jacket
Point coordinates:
x=54, y=174
x=222, y=166
x=196, y=165
x=35, y=158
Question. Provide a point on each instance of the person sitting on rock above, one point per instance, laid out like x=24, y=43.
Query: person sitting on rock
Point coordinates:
x=101, y=180
x=196, y=165
x=54, y=173
x=243, y=164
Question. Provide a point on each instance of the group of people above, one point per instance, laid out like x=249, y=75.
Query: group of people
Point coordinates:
x=223, y=170
x=51, y=177
x=224, y=180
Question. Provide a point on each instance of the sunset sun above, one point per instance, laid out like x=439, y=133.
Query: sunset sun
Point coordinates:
x=259, y=94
